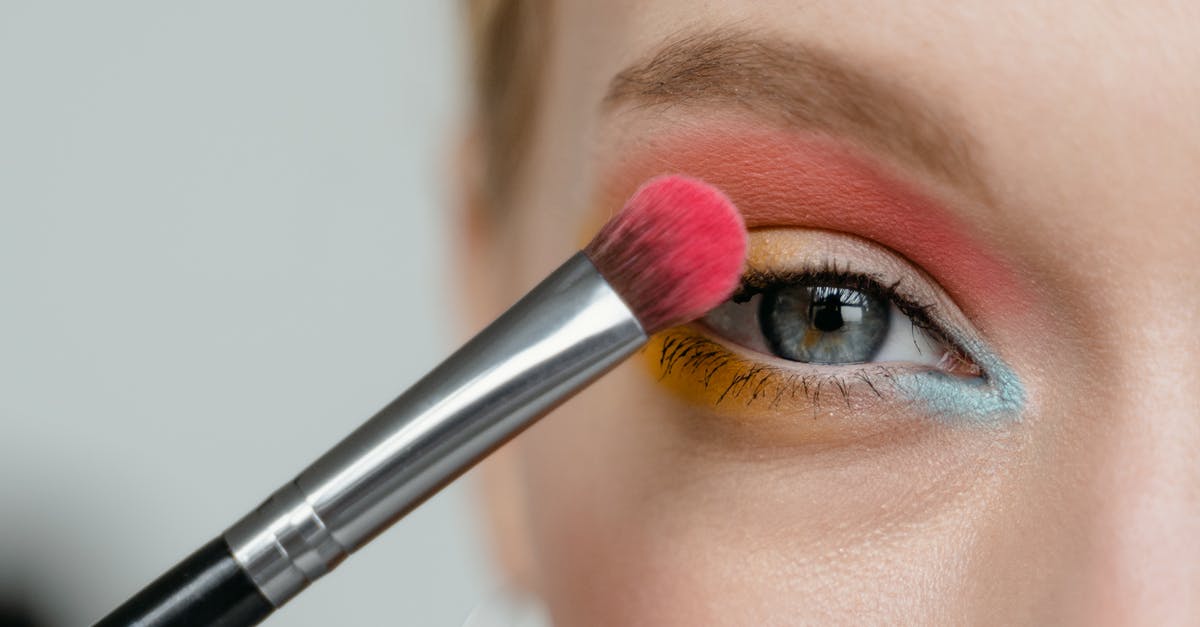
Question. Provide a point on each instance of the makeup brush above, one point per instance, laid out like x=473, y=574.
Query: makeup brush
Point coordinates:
x=673, y=252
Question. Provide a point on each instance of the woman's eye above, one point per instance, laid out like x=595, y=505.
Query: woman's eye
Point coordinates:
x=812, y=322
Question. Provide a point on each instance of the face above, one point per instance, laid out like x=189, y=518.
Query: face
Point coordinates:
x=958, y=382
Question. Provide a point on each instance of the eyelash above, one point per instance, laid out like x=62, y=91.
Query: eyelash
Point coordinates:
x=759, y=281
x=694, y=352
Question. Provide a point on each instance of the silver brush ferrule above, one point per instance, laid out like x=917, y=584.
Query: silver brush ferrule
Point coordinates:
x=568, y=331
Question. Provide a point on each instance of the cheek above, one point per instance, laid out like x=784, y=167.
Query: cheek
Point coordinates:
x=599, y=473
x=642, y=515
x=630, y=526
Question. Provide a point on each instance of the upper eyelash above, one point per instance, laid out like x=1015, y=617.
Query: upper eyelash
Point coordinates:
x=755, y=281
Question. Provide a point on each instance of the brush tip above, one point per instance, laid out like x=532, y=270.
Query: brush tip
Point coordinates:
x=675, y=251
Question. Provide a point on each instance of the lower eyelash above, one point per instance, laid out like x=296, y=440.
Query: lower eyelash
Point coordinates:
x=690, y=353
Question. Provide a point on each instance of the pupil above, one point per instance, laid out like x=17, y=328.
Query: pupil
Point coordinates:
x=828, y=315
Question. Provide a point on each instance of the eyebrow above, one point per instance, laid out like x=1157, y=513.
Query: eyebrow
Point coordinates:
x=803, y=87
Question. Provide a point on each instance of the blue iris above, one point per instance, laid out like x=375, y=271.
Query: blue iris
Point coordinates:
x=824, y=324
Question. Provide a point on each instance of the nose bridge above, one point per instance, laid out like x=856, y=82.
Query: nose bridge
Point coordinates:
x=1147, y=530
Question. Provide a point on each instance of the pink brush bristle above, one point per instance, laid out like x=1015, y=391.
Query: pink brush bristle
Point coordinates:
x=675, y=251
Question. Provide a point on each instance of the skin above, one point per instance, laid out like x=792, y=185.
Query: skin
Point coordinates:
x=641, y=504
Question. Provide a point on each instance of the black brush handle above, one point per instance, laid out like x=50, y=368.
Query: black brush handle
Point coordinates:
x=207, y=588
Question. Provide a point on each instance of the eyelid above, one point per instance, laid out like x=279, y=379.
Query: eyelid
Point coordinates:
x=783, y=178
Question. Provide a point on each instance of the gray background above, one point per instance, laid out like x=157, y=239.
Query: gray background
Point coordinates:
x=223, y=244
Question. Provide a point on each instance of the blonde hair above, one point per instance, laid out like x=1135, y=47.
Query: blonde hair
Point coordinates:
x=509, y=41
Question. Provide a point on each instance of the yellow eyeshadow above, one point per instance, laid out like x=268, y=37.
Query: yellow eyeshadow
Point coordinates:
x=692, y=379
x=740, y=399
x=699, y=369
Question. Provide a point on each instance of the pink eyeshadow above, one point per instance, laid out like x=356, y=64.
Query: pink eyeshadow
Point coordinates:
x=818, y=183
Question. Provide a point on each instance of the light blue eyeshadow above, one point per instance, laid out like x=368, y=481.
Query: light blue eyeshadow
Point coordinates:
x=996, y=395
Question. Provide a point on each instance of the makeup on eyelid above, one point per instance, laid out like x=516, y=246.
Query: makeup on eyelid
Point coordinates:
x=782, y=179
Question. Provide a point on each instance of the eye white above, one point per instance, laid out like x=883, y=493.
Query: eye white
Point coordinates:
x=908, y=343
